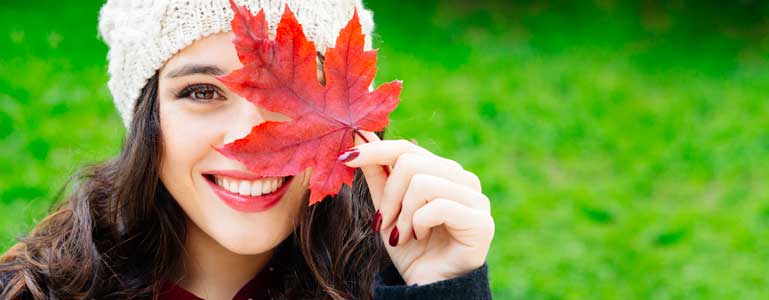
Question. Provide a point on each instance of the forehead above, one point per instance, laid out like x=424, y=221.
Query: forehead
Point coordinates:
x=216, y=49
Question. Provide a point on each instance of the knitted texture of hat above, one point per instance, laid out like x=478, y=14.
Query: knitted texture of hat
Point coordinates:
x=143, y=34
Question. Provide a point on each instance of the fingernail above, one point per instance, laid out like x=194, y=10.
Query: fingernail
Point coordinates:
x=377, y=222
x=394, y=237
x=415, y=233
x=349, y=155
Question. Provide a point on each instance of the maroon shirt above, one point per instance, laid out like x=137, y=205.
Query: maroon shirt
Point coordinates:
x=258, y=288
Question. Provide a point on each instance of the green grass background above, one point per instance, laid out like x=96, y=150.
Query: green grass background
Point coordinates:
x=624, y=145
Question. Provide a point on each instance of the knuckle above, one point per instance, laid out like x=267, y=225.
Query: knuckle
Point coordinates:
x=473, y=180
x=485, y=225
x=410, y=146
x=416, y=186
x=442, y=204
x=404, y=144
x=490, y=228
x=406, y=159
x=486, y=203
x=418, y=218
x=418, y=182
x=416, y=215
x=453, y=163
x=489, y=222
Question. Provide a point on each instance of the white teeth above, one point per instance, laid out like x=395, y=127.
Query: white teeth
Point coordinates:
x=245, y=188
x=256, y=188
x=266, y=187
x=249, y=187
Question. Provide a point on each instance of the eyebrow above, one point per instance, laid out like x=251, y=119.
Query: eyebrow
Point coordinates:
x=195, y=69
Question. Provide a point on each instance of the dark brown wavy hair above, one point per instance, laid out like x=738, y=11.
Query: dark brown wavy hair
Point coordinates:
x=120, y=233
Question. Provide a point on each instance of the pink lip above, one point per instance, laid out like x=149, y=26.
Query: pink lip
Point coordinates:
x=247, y=203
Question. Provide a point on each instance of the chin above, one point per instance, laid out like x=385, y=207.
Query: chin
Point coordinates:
x=246, y=240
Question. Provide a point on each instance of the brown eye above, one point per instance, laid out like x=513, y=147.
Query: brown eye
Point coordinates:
x=204, y=94
x=201, y=93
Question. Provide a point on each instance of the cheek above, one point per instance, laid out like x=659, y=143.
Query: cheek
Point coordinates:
x=186, y=141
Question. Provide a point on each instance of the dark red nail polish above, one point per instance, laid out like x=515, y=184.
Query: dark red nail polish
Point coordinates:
x=415, y=233
x=349, y=155
x=394, y=237
x=377, y=222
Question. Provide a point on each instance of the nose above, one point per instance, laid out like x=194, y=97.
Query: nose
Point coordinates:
x=246, y=115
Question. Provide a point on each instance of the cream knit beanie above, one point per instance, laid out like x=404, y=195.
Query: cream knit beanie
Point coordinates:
x=143, y=34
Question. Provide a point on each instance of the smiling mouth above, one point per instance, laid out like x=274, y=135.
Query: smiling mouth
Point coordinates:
x=247, y=192
x=248, y=188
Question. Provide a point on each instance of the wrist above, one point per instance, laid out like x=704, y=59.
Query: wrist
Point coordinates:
x=430, y=277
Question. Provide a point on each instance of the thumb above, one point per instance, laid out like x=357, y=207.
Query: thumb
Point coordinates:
x=376, y=175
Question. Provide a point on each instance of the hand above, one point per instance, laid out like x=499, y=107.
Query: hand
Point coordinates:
x=438, y=223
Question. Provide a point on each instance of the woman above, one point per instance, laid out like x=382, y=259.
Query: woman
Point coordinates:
x=155, y=222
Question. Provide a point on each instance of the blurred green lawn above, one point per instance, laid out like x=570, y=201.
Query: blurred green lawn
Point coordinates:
x=625, y=146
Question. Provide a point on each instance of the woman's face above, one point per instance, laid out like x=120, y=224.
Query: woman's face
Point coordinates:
x=219, y=195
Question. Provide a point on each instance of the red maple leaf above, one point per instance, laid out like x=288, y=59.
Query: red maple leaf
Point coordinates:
x=281, y=76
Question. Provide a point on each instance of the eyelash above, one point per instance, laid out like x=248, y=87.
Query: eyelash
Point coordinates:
x=189, y=90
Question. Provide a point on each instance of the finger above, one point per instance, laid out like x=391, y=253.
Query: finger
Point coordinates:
x=407, y=166
x=383, y=152
x=376, y=177
x=424, y=188
x=471, y=227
